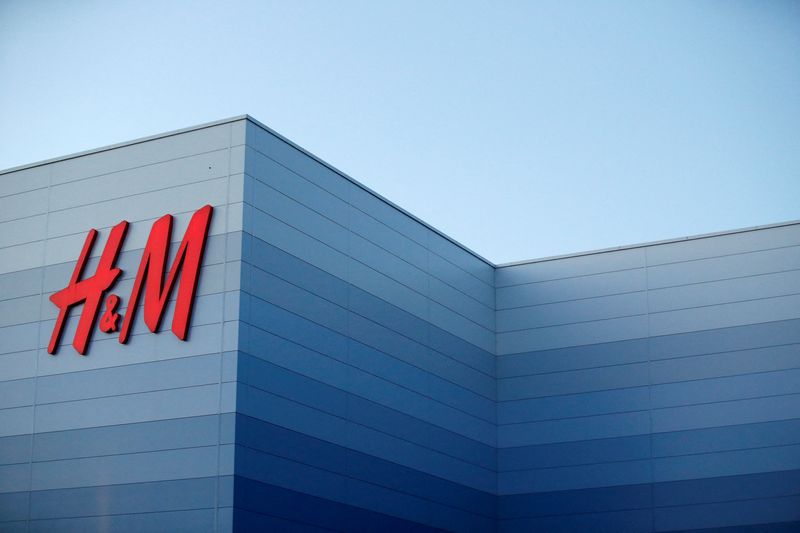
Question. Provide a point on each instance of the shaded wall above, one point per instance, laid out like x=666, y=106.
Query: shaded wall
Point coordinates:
x=366, y=384
x=349, y=368
x=652, y=388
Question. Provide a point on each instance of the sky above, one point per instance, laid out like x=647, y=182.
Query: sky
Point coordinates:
x=520, y=129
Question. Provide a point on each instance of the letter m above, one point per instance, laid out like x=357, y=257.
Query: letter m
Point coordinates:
x=152, y=269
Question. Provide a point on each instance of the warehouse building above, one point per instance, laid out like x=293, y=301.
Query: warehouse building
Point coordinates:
x=342, y=366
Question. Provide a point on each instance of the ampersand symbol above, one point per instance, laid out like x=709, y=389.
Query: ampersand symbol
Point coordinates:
x=108, y=321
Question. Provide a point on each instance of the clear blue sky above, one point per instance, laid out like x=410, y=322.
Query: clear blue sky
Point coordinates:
x=521, y=129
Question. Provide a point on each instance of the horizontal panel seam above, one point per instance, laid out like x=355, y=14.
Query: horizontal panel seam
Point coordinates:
x=370, y=428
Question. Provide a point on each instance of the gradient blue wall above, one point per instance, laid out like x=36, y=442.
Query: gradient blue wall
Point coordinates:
x=350, y=368
x=366, y=381
x=655, y=388
x=135, y=437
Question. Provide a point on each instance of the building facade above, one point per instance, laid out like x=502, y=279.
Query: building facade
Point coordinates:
x=349, y=368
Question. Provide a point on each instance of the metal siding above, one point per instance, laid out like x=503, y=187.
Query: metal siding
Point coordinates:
x=349, y=367
x=358, y=350
x=129, y=437
x=694, y=401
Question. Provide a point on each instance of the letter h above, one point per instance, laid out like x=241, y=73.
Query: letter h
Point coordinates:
x=88, y=291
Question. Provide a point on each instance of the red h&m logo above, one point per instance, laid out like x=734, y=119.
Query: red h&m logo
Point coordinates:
x=151, y=276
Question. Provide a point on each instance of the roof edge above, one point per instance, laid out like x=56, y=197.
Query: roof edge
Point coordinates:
x=380, y=197
x=367, y=189
x=265, y=128
x=651, y=243
x=123, y=144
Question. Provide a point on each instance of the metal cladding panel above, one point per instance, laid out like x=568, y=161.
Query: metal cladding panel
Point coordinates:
x=697, y=389
x=367, y=355
x=350, y=368
x=128, y=437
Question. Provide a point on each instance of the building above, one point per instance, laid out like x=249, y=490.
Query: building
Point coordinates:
x=348, y=367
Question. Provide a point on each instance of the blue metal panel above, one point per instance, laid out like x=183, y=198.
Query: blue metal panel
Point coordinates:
x=462, y=304
x=729, y=463
x=376, y=336
x=756, y=335
x=199, y=493
x=572, y=429
x=727, y=413
x=373, y=308
x=480, y=289
x=291, y=445
x=727, y=388
x=580, y=501
x=128, y=438
x=293, y=241
x=16, y=421
x=26, y=179
x=572, y=358
x=725, y=315
x=569, y=312
x=140, y=407
x=130, y=468
x=388, y=264
x=139, y=180
x=299, y=477
x=419, y=381
x=14, y=232
x=15, y=478
x=15, y=449
x=16, y=393
x=19, y=338
x=609, y=450
x=460, y=257
x=167, y=522
x=290, y=415
x=390, y=290
x=294, y=186
x=729, y=290
x=275, y=204
x=653, y=387
x=292, y=298
x=129, y=379
x=634, y=521
x=468, y=330
x=19, y=310
x=724, y=245
x=277, y=149
x=732, y=363
x=13, y=507
x=333, y=400
x=455, y=348
x=251, y=521
x=21, y=283
x=582, y=265
x=732, y=488
x=547, y=338
x=572, y=382
x=725, y=267
x=573, y=405
x=574, y=477
x=22, y=204
x=388, y=238
x=292, y=386
x=376, y=208
x=728, y=514
x=270, y=259
x=741, y=436
x=271, y=501
x=573, y=288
